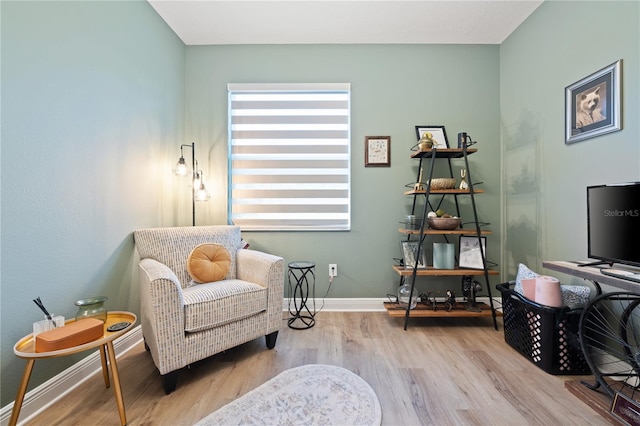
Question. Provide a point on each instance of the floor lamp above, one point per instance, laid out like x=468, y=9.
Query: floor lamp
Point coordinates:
x=198, y=190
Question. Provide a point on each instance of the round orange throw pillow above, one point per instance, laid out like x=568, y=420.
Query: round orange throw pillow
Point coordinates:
x=208, y=263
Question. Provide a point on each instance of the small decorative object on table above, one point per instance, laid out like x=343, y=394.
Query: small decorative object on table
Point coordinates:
x=419, y=186
x=444, y=256
x=462, y=139
x=443, y=183
x=450, y=301
x=412, y=222
x=118, y=326
x=47, y=324
x=429, y=299
x=444, y=223
x=463, y=182
x=470, y=288
x=404, y=295
x=75, y=333
x=426, y=142
x=92, y=307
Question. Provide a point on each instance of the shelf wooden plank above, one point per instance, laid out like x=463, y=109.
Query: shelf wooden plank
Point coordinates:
x=431, y=272
x=423, y=311
x=459, y=231
x=443, y=153
x=444, y=192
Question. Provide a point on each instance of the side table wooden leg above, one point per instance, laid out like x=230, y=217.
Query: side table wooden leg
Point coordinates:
x=105, y=368
x=116, y=383
x=17, y=405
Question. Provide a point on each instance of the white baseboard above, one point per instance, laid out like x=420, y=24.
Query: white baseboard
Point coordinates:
x=373, y=304
x=336, y=304
x=41, y=397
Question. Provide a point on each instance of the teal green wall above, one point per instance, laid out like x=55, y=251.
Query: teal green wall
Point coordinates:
x=92, y=111
x=393, y=89
x=545, y=180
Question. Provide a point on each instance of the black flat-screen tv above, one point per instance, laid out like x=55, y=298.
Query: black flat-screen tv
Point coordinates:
x=613, y=223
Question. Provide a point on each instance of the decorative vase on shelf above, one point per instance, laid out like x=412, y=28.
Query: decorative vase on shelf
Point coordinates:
x=463, y=183
x=92, y=307
x=404, y=294
x=426, y=142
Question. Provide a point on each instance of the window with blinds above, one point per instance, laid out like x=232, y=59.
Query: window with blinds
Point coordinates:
x=289, y=156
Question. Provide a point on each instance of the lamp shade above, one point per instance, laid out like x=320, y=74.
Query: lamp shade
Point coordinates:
x=201, y=193
x=181, y=168
x=197, y=180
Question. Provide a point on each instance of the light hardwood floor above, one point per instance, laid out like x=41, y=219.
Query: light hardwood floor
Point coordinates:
x=438, y=372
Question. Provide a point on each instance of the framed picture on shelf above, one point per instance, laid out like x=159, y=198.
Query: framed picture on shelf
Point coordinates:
x=470, y=255
x=409, y=252
x=377, y=151
x=437, y=132
x=592, y=105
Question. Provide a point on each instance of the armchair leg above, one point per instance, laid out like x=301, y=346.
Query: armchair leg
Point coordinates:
x=271, y=339
x=169, y=381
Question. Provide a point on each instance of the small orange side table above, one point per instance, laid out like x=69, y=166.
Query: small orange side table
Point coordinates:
x=25, y=348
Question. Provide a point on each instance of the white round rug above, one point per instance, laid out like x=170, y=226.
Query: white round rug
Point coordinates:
x=314, y=394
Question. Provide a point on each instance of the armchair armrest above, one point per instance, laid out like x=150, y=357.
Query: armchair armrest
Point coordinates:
x=162, y=312
x=266, y=270
x=256, y=266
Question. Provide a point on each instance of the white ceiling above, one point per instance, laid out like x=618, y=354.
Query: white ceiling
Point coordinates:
x=202, y=22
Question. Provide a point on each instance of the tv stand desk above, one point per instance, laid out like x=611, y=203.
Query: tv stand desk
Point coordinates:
x=591, y=273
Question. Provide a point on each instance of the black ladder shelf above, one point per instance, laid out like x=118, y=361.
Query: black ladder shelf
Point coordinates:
x=414, y=272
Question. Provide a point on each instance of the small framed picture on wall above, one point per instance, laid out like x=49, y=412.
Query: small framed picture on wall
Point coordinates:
x=377, y=151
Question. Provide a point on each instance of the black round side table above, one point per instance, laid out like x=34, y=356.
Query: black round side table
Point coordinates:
x=301, y=280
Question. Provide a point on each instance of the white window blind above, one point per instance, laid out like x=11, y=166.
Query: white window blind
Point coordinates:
x=289, y=155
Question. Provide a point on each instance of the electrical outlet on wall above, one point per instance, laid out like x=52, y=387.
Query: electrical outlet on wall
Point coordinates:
x=333, y=270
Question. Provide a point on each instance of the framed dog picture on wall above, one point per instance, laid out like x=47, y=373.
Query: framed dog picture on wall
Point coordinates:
x=592, y=105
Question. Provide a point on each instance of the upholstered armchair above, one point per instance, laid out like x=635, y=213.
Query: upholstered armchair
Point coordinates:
x=184, y=321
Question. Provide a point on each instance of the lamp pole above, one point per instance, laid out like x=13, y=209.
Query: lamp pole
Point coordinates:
x=196, y=175
x=180, y=170
x=193, y=179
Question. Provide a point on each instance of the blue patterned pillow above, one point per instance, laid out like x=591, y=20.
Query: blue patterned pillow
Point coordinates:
x=523, y=273
x=575, y=296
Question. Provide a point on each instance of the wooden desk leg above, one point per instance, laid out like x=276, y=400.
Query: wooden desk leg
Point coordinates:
x=17, y=405
x=105, y=368
x=116, y=383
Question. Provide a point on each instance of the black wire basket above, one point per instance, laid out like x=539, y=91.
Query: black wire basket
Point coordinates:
x=545, y=335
